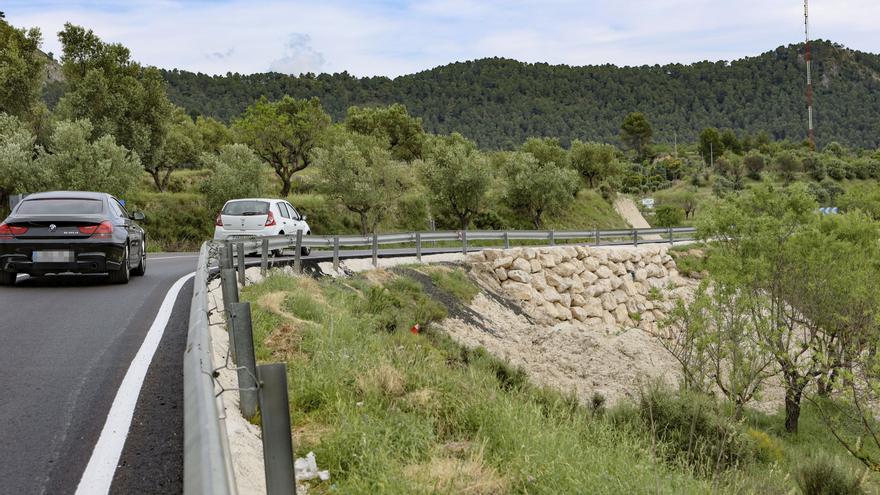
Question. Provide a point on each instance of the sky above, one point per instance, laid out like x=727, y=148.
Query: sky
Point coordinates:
x=396, y=37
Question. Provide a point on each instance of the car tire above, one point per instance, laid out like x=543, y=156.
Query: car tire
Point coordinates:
x=141, y=269
x=7, y=278
x=305, y=250
x=123, y=274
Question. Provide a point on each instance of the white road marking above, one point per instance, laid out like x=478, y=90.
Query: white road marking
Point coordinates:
x=98, y=475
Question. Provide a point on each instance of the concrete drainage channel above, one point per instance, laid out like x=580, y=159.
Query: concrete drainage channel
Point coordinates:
x=262, y=389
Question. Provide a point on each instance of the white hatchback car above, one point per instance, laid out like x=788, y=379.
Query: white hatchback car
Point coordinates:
x=251, y=217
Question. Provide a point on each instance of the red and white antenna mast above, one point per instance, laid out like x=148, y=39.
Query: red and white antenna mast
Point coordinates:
x=808, y=58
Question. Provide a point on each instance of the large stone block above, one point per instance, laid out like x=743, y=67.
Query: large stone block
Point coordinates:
x=519, y=276
x=521, y=264
x=591, y=264
x=565, y=269
x=518, y=290
x=535, y=265
x=503, y=262
x=501, y=274
x=562, y=313
x=551, y=295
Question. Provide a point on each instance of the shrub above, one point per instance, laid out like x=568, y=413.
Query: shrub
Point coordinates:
x=766, y=447
x=822, y=475
x=754, y=164
x=691, y=428
x=668, y=216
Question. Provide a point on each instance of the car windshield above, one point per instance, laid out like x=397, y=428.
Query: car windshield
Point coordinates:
x=60, y=206
x=246, y=208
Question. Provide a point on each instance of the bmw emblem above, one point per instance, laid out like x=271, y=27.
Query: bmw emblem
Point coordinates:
x=52, y=227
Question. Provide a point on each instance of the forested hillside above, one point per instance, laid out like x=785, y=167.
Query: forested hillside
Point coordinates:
x=500, y=102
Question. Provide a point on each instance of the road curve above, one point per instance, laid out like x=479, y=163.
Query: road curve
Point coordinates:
x=65, y=344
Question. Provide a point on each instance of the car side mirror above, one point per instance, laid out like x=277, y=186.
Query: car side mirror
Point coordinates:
x=138, y=216
x=305, y=217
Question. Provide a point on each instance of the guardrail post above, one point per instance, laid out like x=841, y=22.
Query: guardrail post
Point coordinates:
x=419, y=246
x=375, y=250
x=597, y=236
x=241, y=276
x=297, y=256
x=671, y=240
x=264, y=260
x=551, y=238
x=635, y=237
x=229, y=289
x=277, y=442
x=336, y=253
x=464, y=245
x=243, y=339
x=228, y=255
x=506, y=240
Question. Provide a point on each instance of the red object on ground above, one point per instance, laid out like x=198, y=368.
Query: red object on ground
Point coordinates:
x=415, y=329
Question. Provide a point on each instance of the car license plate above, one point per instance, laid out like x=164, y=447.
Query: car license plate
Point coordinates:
x=52, y=256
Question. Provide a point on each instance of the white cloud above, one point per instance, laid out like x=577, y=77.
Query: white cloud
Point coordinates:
x=388, y=37
x=299, y=57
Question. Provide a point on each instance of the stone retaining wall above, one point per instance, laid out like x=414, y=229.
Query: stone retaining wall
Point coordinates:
x=611, y=287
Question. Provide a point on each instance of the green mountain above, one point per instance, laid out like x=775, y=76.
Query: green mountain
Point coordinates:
x=500, y=102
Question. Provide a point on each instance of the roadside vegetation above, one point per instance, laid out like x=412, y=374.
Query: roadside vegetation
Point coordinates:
x=387, y=410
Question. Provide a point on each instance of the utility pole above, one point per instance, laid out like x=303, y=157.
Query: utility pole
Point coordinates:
x=808, y=58
x=711, y=155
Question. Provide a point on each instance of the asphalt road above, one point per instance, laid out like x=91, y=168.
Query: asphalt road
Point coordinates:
x=66, y=342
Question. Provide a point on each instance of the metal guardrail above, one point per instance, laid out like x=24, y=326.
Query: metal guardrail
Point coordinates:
x=207, y=462
x=207, y=459
x=618, y=237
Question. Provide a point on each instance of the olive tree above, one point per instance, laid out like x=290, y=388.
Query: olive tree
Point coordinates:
x=236, y=172
x=457, y=176
x=118, y=96
x=594, y=161
x=22, y=70
x=393, y=125
x=19, y=172
x=538, y=188
x=283, y=134
x=75, y=161
x=358, y=172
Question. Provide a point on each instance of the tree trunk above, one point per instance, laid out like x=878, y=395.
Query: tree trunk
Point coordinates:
x=464, y=221
x=285, y=186
x=792, y=408
x=4, y=202
x=365, y=229
x=166, y=178
x=157, y=178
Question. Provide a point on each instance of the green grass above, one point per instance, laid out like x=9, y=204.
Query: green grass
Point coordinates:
x=455, y=282
x=387, y=411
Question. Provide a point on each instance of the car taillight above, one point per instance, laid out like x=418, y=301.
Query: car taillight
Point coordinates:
x=270, y=220
x=103, y=230
x=219, y=221
x=10, y=231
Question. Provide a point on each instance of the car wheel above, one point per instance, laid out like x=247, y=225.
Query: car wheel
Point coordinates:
x=7, y=278
x=141, y=269
x=123, y=274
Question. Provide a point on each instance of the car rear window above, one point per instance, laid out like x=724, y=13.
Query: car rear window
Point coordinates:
x=60, y=206
x=246, y=208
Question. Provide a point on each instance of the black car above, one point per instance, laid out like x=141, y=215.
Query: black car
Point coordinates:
x=78, y=232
